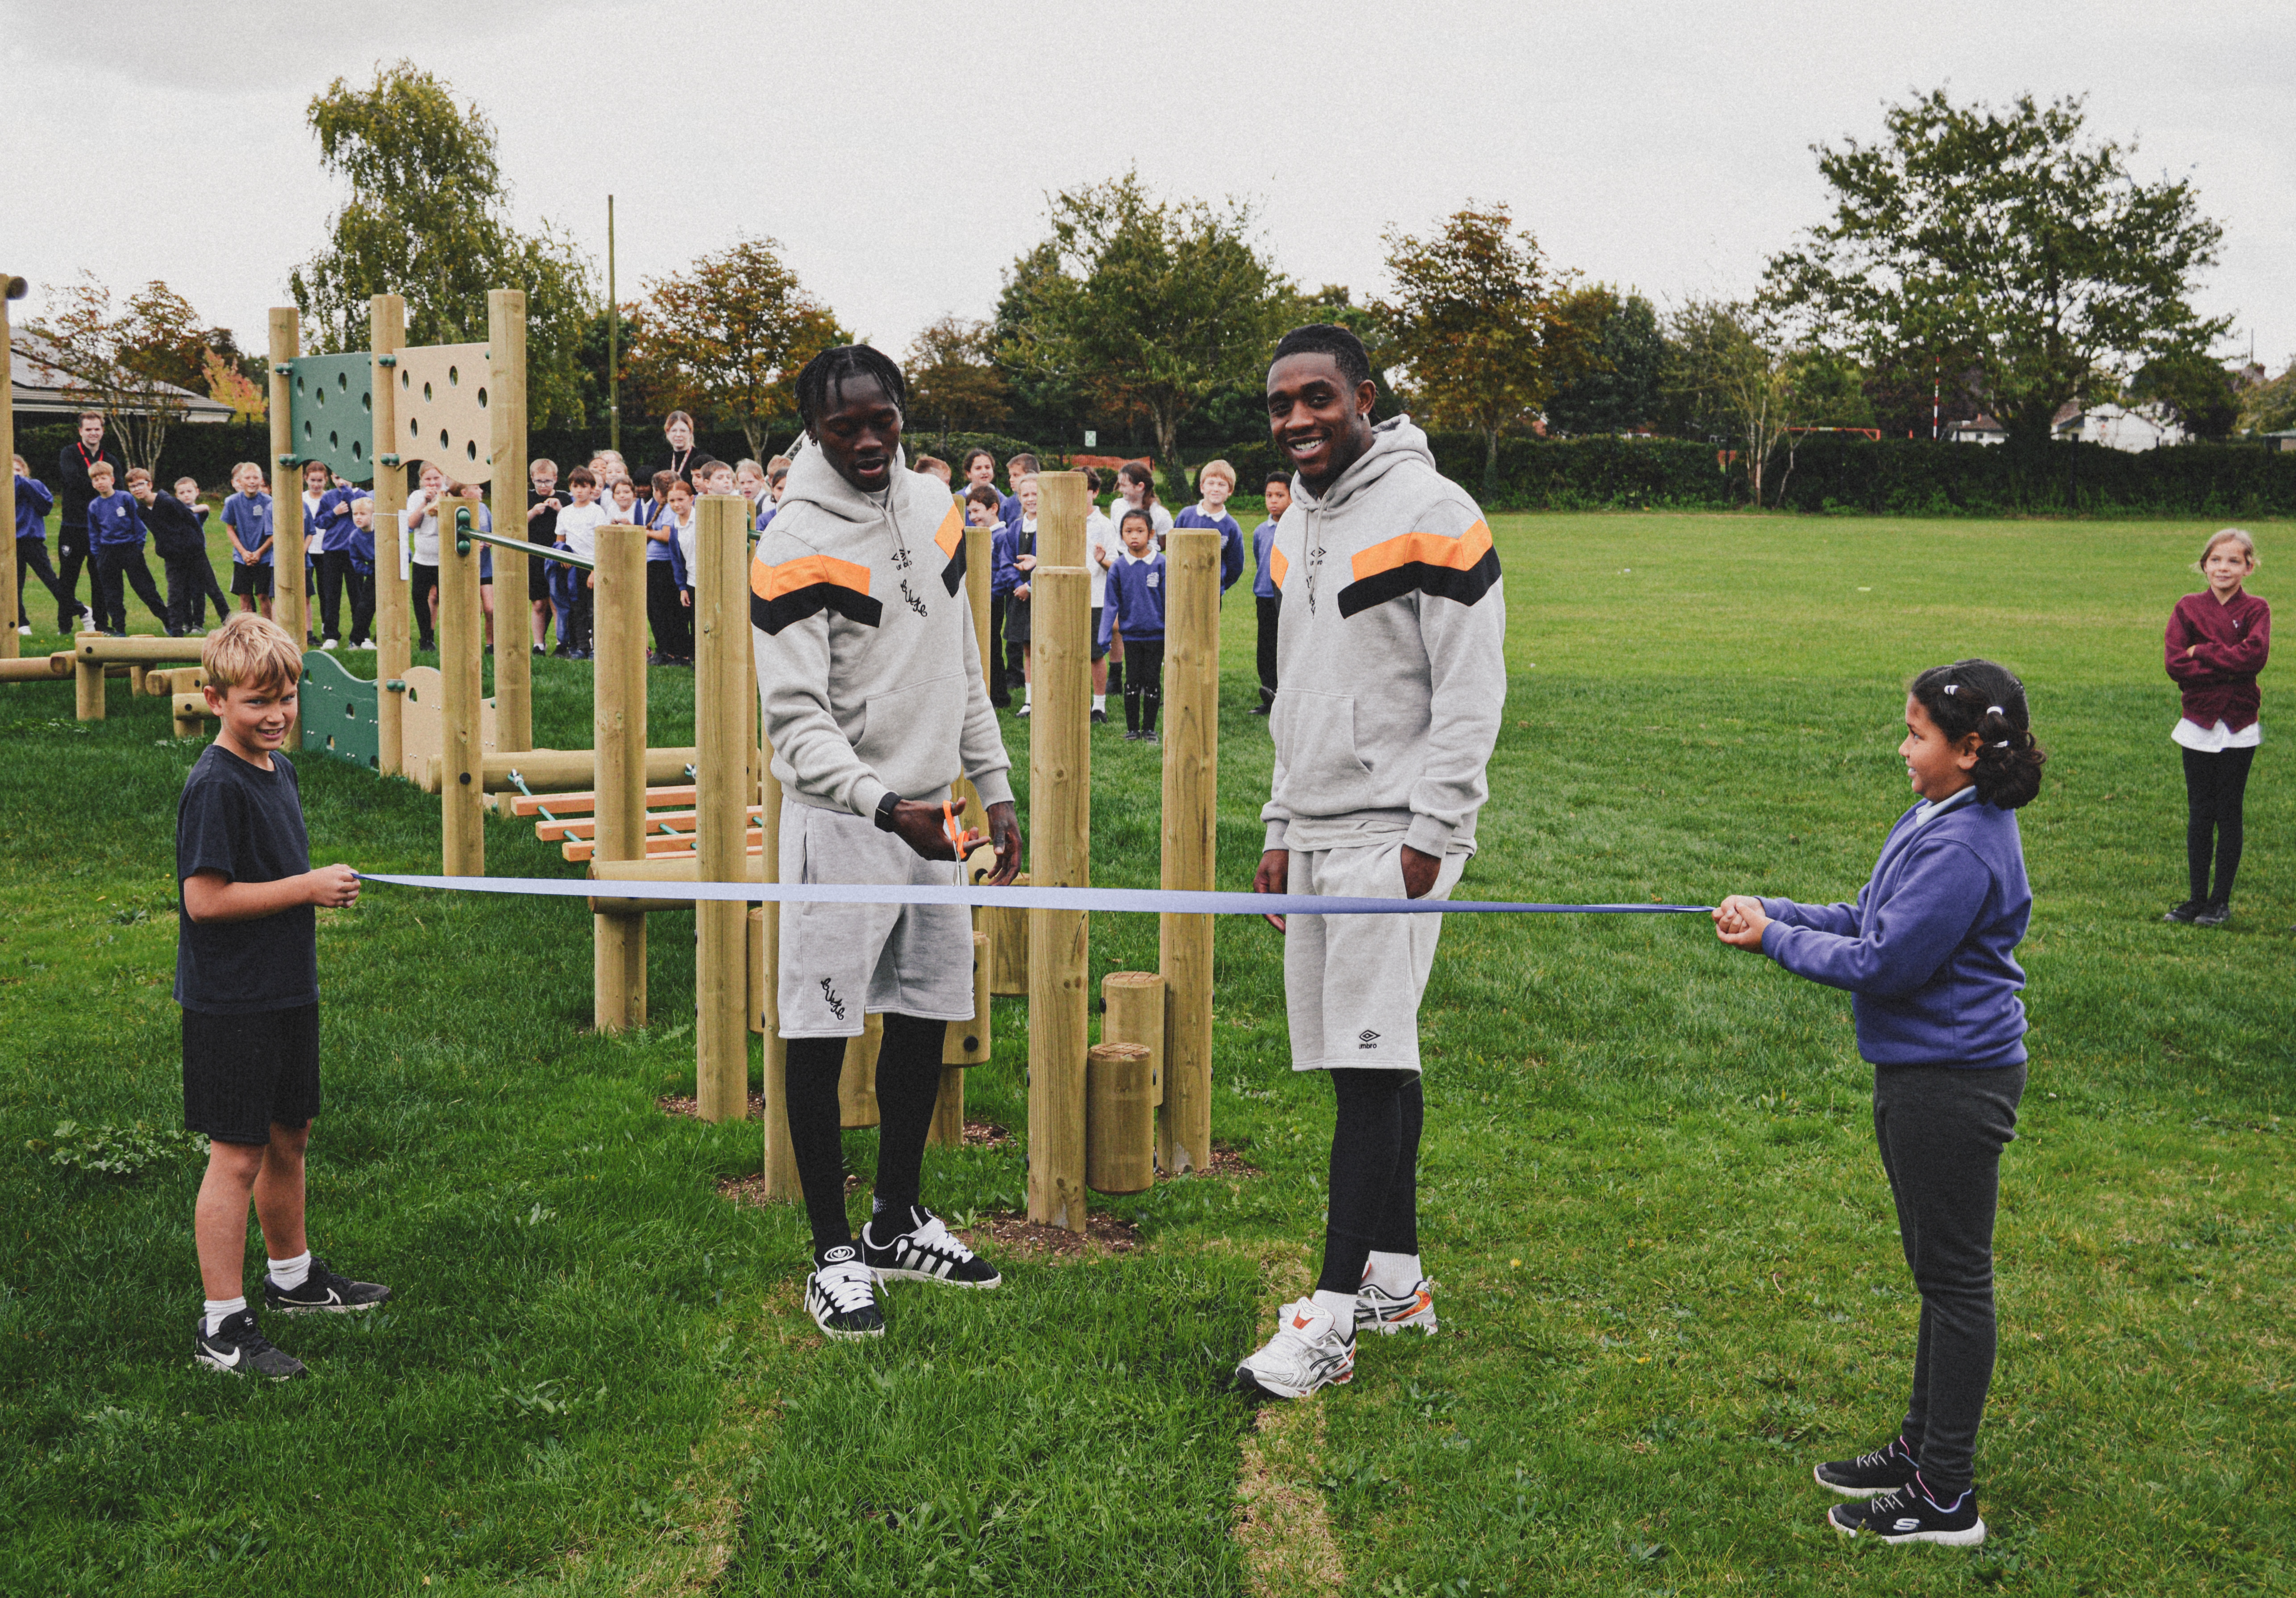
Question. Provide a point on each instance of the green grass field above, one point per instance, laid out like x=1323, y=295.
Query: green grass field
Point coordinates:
x=1669, y=1276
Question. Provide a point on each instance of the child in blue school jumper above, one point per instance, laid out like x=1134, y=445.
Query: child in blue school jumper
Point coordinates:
x=1929, y=953
x=33, y=502
x=115, y=546
x=1132, y=608
x=1214, y=486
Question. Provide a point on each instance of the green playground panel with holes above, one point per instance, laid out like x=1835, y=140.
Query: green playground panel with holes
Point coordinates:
x=339, y=712
x=331, y=412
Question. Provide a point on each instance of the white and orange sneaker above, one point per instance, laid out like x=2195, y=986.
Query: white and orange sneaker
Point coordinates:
x=1310, y=1349
x=1382, y=1310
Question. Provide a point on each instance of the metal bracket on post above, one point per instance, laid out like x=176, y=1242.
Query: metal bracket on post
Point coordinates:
x=463, y=529
x=386, y=360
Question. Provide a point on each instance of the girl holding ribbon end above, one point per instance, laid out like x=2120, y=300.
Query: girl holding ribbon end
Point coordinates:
x=1929, y=951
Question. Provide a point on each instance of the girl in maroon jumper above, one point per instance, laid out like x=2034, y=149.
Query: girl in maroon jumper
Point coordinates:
x=2216, y=644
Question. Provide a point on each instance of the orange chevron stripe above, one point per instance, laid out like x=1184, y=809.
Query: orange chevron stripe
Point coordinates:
x=771, y=582
x=1277, y=565
x=950, y=535
x=1426, y=549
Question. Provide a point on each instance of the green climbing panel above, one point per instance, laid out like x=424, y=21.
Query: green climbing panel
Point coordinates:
x=331, y=412
x=338, y=711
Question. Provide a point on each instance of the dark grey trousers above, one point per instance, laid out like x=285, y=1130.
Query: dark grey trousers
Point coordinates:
x=1941, y=1133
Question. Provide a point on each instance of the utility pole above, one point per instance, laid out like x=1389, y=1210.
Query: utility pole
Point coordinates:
x=1937, y=396
x=613, y=343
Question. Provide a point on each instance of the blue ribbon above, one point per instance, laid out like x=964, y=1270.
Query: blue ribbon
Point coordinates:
x=1145, y=900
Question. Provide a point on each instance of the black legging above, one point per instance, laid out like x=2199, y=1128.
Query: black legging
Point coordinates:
x=1144, y=683
x=908, y=1086
x=1374, y=1198
x=32, y=557
x=1269, y=609
x=426, y=578
x=673, y=637
x=2214, y=785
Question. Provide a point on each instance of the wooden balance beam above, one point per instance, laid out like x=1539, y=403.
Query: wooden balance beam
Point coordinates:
x=94, y=654
x=39, y=668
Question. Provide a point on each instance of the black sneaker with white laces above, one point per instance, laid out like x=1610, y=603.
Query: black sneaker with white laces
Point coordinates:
x=324, y=1291
x=841, y=1295
x=1869, y=1475
x=1909, y=1514
x=927, y=1251
x=237, y=1348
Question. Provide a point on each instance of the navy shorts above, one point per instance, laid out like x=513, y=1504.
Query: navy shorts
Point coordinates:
x=253, y=580
x=1099, y=650
x=245, y=1073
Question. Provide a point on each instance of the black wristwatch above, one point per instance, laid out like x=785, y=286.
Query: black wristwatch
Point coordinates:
x=885, y=808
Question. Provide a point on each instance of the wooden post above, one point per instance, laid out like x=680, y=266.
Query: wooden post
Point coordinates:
x=1120, y=1120
x=1132, y=1011
x=980, y=563
x=11, y=598
x=724, y=740
x=1008, y=946
x=857, y=1080
x=506, y=412
x=386, y=336
x=87, y=684
x=781, y=1158
x=461, y=667
x=1183, y=1130
x=289, y=606
x=964, y=1043
x=619, y=737
x=1060, y=818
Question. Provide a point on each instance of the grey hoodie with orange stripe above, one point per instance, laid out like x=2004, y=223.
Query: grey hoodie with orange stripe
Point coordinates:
x=1390, y=654
x=867, y=663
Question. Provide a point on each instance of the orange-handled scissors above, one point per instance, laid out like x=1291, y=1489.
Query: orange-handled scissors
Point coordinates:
x=962, y=840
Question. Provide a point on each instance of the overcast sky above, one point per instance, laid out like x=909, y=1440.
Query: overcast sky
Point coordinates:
x=902, y=153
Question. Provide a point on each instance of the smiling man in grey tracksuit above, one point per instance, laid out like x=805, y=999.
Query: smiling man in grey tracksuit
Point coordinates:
x=874, y=705
x=1392, y=677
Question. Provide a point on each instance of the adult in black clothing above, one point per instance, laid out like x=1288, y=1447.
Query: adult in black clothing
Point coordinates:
x=678, y=428
x=73, y=496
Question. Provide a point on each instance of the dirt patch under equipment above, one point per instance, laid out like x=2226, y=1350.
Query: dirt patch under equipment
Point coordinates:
x=690, y=1107
x=1003, y=1233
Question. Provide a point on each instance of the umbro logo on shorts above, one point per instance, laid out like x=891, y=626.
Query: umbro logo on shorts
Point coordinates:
x=1367, y=1039
x=829, y=996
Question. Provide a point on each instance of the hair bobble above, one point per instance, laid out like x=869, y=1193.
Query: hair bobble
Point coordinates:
x=2001, y=743
x=1951, y=688
x=1994, y=710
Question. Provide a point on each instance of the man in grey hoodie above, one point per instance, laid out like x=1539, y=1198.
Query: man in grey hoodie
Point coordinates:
x=1393, y=609
x=874, y=705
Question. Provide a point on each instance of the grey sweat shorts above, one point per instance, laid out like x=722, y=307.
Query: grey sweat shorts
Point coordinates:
x=1352, y=983
x=840, y=962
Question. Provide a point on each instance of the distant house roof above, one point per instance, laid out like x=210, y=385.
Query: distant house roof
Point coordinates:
x=37, y=389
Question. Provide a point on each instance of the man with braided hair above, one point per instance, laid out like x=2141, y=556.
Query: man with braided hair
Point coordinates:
x=874, y=706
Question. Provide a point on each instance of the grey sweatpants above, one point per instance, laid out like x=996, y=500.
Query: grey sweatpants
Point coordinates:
x=1352, y=983
x=1941, y=1133
x=839, y=962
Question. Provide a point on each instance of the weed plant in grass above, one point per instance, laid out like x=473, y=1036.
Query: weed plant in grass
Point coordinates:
x=1669, y=1276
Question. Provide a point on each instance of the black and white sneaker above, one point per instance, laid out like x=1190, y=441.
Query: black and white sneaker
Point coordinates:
x=1869, y=1475
x=236, y=1346
x=2187, y=913
x=927, y=1251
x=1908, y=1515
x=841, y=1295
x=326, y=1291
x=2214, y=914
x=1100, y=719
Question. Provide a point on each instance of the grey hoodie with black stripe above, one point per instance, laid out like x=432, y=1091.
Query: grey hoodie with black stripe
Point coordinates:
x=1391, y=656
x=867, y=663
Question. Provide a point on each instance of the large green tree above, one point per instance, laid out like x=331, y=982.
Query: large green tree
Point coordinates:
x=1484, y=326
x=1619, y=391
x=134, y=363
x=1148, y=306
x=1731, y=375
x=428, y=218
x=726, y=337
x=2005, y=239
x=953, y=376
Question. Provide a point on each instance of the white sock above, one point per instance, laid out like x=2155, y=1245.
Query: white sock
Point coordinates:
x=1100, y=703
x=289, y=1274
x=1396, y=1273
x=1343, y=1309
x=218, y=1311
x=1028, y=693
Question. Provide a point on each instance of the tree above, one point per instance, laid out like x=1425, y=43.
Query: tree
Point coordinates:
x=726, y=338
x=2007, y=240
x=1619, y=391
x=1731, y=375
x=427, y=218
x=2270, y=407
x=123, y=365
x=227, y=384
x=2194, y=391
x=953, y=376
x=1149, y=306
x=1486, y=330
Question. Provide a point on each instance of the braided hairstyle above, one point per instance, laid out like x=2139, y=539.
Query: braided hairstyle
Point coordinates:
x=1983, y=697
x=823, y=376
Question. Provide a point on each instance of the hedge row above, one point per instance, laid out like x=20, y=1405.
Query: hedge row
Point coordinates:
x=1891, y=477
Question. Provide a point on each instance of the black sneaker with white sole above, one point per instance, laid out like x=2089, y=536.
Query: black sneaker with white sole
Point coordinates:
x=324, y=1291
x=1909, y=1514
x=927, y=1251
x=238, y=1347
x=1869, y=1475
x=841, y=1295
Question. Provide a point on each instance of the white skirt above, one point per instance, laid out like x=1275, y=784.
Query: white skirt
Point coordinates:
x=2216, y=740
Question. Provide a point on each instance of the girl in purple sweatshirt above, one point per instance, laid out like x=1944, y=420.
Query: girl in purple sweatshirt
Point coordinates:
x=1929, y=951
x=2217, y=640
